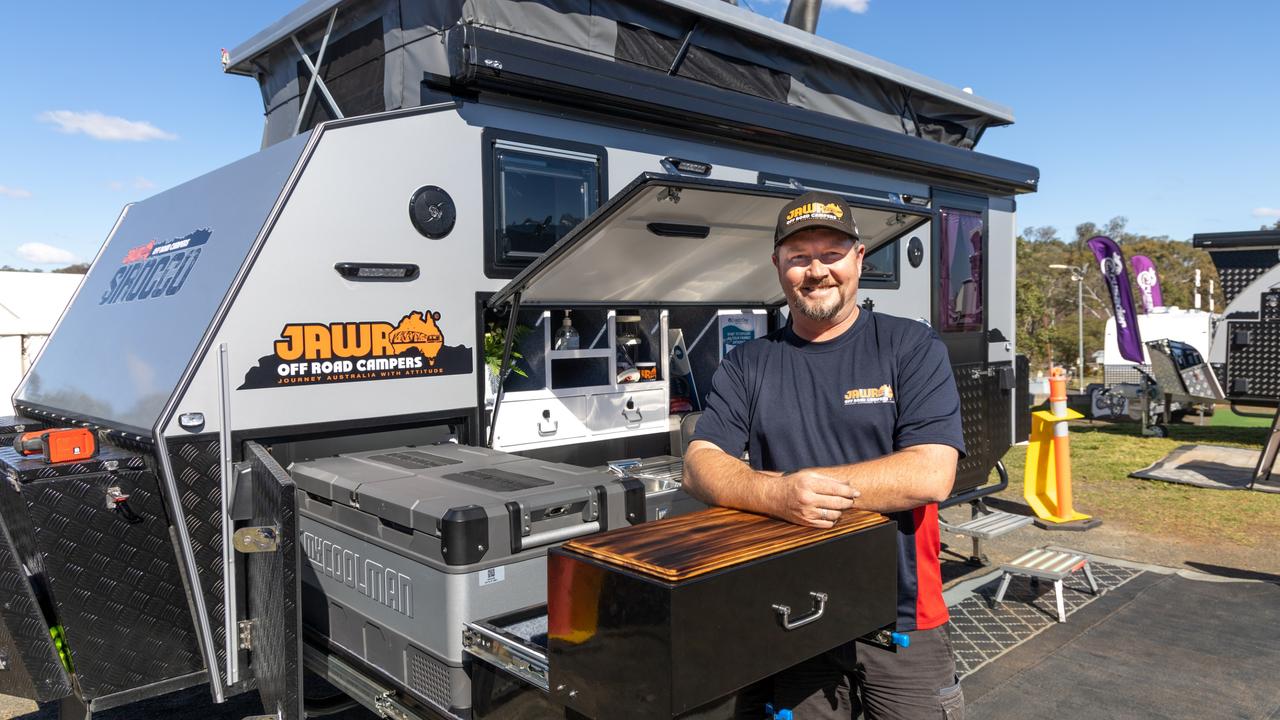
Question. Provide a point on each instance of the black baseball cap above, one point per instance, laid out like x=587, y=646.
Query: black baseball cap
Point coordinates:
x=815, y=209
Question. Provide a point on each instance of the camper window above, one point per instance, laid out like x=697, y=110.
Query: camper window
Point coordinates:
x=537, y=194
x=880, y=266
x=961, y=269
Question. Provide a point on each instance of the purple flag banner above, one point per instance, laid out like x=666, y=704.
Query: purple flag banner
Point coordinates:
x=1111, y=260
x=1144, y=271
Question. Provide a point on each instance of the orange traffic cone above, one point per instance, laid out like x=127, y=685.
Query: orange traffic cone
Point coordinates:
x=1047, y=481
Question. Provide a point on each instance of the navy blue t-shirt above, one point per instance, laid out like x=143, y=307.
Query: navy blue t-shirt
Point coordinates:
x=884, y=385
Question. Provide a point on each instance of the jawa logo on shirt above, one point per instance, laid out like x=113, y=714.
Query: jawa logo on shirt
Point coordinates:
x=825, y=211
x=868, y=396
x=309, y=353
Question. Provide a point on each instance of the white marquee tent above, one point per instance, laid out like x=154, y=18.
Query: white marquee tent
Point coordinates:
x=30, y=305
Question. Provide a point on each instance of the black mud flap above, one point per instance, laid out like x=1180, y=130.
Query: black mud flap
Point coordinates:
x=29, y=663
x=274, y=632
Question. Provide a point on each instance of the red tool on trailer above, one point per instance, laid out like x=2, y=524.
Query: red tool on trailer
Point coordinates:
x=58, y=445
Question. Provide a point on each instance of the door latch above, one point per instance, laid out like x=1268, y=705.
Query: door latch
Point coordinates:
x=118, y=500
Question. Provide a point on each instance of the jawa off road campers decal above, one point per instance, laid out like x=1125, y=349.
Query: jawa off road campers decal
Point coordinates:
x=155, y=269
x=309, y=353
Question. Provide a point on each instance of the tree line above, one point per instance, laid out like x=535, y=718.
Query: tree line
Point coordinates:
x=76, y=269
x=1047, y=298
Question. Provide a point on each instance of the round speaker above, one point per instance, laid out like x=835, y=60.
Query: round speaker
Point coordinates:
x=915, y=252
x=432, y=212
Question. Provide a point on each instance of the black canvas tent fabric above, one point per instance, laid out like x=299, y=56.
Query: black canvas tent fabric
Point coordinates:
x=380, y=51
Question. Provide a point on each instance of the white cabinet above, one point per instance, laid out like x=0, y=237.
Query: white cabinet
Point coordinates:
x=633, y=410
x=545, y=421
x=562, y=413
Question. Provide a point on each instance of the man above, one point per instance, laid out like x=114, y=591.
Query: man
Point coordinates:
x=843, y=408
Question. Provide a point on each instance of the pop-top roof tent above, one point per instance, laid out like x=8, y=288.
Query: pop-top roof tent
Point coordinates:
x=376, y=53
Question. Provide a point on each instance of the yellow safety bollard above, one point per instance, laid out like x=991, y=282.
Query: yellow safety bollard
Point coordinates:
x=1047, y=480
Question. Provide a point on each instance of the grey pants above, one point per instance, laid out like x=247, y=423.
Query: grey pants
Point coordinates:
x=914, y=683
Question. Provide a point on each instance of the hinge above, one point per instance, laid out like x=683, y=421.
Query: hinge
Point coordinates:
x=246, y=634
x=977, y=373
x=257, y=539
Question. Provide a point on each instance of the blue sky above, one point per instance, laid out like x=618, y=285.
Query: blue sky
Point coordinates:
x=1162, y=111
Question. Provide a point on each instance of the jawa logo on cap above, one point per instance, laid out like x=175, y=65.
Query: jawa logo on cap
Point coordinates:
x=867, y=396
x=816, y=210
x=355, y=351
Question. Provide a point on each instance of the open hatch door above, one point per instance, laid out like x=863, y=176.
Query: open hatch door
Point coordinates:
x=667, y=239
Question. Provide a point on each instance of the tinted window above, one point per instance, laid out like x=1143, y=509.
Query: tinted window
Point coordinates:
x=961, y=270
x=539, y=197
x=880, y=265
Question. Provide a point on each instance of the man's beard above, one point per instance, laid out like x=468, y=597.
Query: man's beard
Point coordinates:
x=818, y=310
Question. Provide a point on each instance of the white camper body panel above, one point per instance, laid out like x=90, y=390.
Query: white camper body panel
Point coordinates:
x=350, y=204
x=1194, y=327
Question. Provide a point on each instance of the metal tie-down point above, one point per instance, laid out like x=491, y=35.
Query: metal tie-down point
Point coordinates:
x=257, y=539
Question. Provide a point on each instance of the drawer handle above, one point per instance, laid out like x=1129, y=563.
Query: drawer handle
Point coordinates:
x=784, y=612
x=631, y=413
x=547, y=426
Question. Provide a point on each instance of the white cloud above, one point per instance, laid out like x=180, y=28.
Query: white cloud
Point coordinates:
x=105, y=127
x=1266, y=212
x=42, y=254
x=14, y=192
x=857, y=6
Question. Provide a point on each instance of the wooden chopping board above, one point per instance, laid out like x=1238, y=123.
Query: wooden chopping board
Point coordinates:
x=690, y=545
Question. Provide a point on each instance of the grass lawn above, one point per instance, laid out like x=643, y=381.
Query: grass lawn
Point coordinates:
x=1224, y=416
x=1103, y=455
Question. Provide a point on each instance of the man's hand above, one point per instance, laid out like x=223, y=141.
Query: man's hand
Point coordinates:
x=811, y=497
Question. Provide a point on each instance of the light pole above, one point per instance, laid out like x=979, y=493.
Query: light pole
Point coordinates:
x=1077, y=276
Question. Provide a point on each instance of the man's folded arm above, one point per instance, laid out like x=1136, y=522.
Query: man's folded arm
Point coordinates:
x=911, y=477
x=717, y=478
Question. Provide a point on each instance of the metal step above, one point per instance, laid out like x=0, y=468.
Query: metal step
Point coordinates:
x=1046, y=564
x=990, y=525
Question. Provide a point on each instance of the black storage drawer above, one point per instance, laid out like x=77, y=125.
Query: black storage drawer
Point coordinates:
x=29, y=663
x=107, y=569
x=625, y=645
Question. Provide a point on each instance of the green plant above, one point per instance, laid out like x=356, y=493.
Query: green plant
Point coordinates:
x=495, y=342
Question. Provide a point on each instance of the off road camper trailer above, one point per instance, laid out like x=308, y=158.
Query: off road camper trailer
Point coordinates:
x=1242, y=350
x=285, y=359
